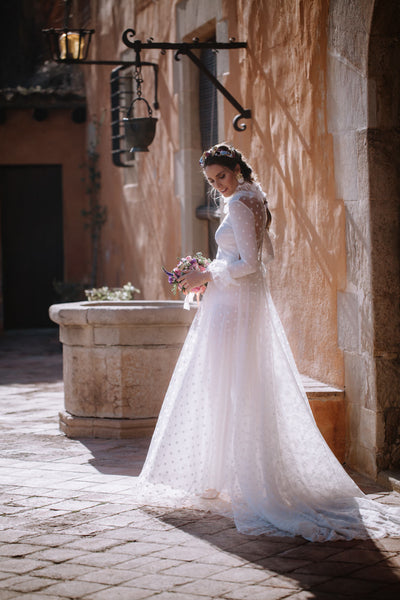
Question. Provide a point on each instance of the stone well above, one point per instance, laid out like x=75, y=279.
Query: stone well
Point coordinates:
x=118, y=358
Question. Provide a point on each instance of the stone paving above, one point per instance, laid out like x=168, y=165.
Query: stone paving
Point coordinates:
x=70, y=529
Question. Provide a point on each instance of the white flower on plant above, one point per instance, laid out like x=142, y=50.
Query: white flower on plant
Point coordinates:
x=105, y=293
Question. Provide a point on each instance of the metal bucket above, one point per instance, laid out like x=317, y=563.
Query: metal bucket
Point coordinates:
x=140, y=131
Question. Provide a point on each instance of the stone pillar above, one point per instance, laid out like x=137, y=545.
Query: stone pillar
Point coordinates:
x=347, y=107
x=117, y=360
x=363, y=118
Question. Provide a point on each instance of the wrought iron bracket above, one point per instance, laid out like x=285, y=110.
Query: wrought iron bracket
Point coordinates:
x=71, y=46
x=186, y=48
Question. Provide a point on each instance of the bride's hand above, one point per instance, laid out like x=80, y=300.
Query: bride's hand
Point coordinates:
x=194, y=279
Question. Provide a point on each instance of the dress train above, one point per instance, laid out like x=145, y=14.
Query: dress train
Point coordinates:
x=236, y=418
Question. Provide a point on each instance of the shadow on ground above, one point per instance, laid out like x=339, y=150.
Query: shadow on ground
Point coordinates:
x=117, y=457
x=30, y=356
x=356, y=569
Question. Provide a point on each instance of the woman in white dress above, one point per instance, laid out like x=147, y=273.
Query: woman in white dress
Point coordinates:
x=236, y=430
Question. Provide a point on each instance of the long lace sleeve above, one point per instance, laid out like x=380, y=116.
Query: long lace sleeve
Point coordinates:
x=245, y=227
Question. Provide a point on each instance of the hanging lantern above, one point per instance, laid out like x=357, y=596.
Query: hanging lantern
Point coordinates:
x=139, y=131
x=66, y=44
x=69, y=45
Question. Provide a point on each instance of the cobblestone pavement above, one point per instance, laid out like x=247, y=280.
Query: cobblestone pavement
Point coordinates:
x=69, y=527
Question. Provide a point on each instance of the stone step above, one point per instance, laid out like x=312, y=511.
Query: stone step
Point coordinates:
x=328, y=407
x=317, y=389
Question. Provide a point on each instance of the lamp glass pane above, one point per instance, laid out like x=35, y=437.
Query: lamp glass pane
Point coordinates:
x=72, y=46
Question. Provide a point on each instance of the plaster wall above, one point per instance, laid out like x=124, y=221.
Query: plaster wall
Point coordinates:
x=282, y=78
x=143, y=230
x=55, y=141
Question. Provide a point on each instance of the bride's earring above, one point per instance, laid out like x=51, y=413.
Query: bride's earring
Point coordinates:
x=239, y=177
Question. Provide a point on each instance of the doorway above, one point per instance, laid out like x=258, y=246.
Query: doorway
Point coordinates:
x=31, y=243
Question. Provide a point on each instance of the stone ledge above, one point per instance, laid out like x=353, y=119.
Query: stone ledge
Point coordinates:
x=89, y=427
x=123, y=313
x=328, y=406
x=317, y=389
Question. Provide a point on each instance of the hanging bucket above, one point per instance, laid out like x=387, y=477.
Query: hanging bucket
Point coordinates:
x=139, y=132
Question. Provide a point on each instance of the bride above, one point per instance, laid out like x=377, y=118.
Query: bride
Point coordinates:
x=236, y=432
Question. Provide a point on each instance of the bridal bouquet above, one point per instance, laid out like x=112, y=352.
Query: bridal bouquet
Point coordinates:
x=198, y=262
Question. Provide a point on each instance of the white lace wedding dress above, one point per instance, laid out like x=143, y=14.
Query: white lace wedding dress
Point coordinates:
x=236, y=418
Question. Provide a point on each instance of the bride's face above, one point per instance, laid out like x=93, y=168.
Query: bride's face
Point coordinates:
x=222, y=179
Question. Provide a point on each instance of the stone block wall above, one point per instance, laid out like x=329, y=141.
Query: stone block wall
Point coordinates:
x=363, y=114
x=347, y=105
x=384, y=187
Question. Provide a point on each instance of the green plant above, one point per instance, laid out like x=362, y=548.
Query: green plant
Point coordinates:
x=126, y=292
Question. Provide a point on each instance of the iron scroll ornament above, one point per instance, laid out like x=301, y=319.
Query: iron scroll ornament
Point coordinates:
x=185, y=48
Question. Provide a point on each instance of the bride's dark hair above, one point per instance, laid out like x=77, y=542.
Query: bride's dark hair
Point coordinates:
x=226, y=155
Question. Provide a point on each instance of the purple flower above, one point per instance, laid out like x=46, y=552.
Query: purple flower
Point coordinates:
x=167, y=272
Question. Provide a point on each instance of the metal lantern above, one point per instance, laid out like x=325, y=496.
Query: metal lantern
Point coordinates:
x=66, y=44
x=69, y=45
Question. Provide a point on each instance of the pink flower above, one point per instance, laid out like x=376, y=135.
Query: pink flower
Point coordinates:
x=185, y=265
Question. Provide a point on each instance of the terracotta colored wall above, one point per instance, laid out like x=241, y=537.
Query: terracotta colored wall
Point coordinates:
x=57, y=141
x=143, y=228
x=281, y=77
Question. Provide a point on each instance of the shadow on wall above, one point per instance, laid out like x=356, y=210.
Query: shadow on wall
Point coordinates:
x=292, y=159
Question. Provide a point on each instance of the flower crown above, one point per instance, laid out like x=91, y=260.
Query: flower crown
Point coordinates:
x=223, y=150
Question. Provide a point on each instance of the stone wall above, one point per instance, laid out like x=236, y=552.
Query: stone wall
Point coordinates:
x=347, y=80
x=384, y=187
x=363, y=113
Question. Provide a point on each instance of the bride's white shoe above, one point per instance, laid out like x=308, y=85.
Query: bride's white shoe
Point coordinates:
x=210, y=494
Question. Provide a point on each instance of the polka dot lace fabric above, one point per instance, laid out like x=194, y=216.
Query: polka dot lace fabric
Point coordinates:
x=236, y=418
